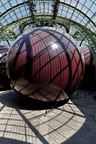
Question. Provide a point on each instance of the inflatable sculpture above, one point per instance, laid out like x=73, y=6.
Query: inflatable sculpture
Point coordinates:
x=4, y=81
x=44, y=64
x=89, y=81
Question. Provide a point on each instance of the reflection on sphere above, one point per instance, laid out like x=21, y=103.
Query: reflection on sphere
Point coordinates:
x=44, y=64
x=4, y=81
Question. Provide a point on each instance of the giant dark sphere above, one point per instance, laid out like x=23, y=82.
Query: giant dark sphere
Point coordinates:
x=45, y=63
x=4, y=81
x=88, y=55
x=89, y=81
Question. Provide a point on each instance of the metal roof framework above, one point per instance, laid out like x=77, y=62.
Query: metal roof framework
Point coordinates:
x=76, y=17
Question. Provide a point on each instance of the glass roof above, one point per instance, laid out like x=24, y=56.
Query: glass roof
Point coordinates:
x=76, y=17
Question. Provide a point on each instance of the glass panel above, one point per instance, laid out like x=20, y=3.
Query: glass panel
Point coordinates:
x=77, y=11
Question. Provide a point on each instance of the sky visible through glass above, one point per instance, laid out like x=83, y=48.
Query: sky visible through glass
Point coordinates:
x=80, y=11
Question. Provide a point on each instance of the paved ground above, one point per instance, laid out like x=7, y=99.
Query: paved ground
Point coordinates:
x=71, y=123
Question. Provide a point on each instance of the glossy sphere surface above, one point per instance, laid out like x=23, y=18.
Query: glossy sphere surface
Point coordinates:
x=89, y=61
x=88, y=55
x=44, y=63
x=4, y=81
x=89, y=73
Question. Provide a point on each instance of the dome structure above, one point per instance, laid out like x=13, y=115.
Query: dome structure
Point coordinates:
x=78, y=18
x=43, y=63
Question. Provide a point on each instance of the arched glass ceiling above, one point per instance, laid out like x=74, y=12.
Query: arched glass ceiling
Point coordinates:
x=77, y=17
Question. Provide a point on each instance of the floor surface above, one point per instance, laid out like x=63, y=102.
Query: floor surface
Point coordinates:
x=71, y=123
